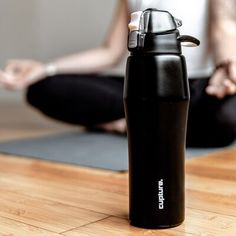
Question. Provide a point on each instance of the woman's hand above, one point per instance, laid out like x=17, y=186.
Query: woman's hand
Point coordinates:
x=19, y=74
x=223, y=81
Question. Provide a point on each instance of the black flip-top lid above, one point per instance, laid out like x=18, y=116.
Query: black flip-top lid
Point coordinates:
x=153, y=21
x=156, y=31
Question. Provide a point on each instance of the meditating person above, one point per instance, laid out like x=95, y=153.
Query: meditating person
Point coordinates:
x=75, y=89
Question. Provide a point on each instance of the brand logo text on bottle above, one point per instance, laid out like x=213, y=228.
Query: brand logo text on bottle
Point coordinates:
x=161, y=194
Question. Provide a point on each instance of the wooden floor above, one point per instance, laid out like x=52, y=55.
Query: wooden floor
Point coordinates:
x=40, y=198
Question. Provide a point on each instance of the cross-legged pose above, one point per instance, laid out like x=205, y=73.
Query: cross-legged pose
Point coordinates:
x=74, y=88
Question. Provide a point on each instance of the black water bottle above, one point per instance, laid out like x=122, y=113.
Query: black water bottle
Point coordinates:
x=156, y=98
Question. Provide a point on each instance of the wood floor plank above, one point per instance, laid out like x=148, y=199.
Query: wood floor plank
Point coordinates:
x=225, y=159
x=45, y=214
x=9, y=227
x=211, y=202
x=88, y=183
x=116, y=227
x=212, y=172
x=200, y=222
x=220, y=165
x=194, y=199
x=68, y=185
x=44, y=196
x=210, y=185
x=83, y=197
x=65, y=174
x=196, y=223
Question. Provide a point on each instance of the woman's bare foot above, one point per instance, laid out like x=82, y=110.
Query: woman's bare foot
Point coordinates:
x=117, y=126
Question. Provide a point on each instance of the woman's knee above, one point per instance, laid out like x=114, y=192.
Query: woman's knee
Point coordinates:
x=37, y=94
x=226, y=115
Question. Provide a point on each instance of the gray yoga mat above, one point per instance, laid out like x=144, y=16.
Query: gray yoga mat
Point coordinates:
x=91, y=149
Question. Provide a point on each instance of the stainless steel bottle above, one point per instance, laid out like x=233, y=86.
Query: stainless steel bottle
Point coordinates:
x=156, y=98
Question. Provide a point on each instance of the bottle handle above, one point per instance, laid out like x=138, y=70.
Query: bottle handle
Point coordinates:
x=188, y=41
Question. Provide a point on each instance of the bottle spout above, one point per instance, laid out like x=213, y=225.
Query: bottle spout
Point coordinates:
x=188, y=41
x=135, y=21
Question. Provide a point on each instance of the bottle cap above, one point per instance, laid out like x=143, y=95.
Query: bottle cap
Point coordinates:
x=153, y=21
x=156, y=31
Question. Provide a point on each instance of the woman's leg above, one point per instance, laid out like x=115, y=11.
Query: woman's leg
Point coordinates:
x=212, y=121
x=93, y=100
x=79, y=99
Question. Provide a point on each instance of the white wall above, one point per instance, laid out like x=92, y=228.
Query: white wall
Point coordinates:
x=17, y=29
x=46, y=29
x=67, y=26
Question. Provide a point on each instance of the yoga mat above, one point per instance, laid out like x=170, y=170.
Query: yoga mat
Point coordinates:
x=90, y=149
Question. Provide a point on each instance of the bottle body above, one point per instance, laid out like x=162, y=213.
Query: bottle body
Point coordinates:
x=156, y=99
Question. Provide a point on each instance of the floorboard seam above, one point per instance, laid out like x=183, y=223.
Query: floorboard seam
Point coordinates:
x=93, y=222
x=22, y=222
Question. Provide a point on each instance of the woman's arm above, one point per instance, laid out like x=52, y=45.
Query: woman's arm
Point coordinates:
x=21, y=73
x=223, y=44
x=109, y=54
x=223, y=29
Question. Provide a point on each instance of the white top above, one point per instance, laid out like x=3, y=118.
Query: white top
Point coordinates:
x=194, y=15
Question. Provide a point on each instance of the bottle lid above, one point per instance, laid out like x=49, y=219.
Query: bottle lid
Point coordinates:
x=153, y=21
x=156, y=31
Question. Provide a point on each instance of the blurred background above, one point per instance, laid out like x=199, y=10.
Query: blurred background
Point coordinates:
x=43, y=30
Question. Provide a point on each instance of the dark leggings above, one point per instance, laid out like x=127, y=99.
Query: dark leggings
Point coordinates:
x=90, y=99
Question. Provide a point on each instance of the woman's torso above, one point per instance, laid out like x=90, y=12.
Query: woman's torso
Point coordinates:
x=194, y=14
